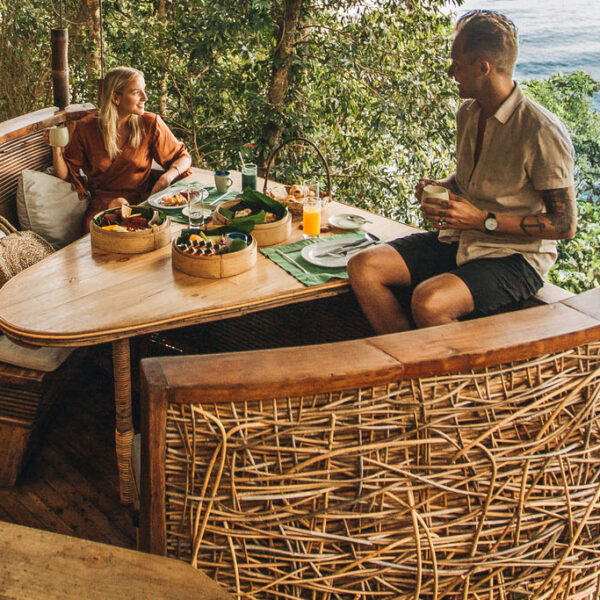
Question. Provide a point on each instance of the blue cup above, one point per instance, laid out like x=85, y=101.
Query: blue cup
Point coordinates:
x=238, y=235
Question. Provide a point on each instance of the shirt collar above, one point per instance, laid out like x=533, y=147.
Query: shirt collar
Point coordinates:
x=508, y=107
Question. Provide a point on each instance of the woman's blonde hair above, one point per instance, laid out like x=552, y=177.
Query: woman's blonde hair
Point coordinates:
x=114, y=83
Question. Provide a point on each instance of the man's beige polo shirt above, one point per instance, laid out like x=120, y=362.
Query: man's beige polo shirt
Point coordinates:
x=525, y=149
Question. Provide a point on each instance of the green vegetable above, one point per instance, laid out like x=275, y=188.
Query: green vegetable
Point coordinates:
x=243, y=227
x=258, y=203
x=237, y=245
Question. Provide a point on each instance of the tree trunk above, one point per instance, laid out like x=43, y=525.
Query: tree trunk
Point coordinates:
x=93, y=59
x=282, y=66
x=162, y=85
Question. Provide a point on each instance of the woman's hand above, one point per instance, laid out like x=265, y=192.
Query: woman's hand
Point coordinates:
x=162, y=182
x=455, y=213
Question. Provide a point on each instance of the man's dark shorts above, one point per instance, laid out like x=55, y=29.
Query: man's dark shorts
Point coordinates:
x=493, y=282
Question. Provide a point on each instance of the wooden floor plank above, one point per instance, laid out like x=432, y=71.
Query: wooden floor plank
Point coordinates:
x=71, y=484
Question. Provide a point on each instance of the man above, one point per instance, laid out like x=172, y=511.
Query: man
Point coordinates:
x=510, y=198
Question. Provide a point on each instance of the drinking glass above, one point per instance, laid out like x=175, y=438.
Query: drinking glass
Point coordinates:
x=195, y=195
x=311, y=209
x=249, y=173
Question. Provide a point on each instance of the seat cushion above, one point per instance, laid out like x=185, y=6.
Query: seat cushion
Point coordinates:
x=50, y=207
x=40, y=359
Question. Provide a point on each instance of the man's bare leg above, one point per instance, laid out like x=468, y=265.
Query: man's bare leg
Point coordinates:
x=439, y=300
x=371, y=274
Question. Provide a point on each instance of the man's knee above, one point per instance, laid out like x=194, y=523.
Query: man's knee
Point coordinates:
x=425, y=306
x=440, y=300
x=379, y=265
x=361, y=266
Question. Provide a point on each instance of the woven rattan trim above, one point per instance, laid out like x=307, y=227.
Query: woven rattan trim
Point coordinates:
x=28, y=152
x=480, y=485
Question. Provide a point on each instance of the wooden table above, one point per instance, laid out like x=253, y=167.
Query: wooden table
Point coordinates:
x=41, y=565
x=77, y=297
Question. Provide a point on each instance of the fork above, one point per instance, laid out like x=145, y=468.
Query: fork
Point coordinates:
x=345, y=251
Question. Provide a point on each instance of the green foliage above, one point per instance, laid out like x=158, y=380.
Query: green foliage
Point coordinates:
x=367, y=84
x=569, y=97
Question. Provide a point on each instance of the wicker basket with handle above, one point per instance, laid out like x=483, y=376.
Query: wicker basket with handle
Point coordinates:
x=19, y=250
x=295, y=203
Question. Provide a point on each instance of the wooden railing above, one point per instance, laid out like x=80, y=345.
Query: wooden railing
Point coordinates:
x=458, y=461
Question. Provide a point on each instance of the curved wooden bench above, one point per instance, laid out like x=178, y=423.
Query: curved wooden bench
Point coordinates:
x=25, y=393
x=458, y=461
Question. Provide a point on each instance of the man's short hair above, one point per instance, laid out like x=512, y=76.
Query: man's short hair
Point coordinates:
x=490, y=36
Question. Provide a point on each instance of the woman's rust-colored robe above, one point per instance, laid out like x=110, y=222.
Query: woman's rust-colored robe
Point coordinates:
x=128, y=174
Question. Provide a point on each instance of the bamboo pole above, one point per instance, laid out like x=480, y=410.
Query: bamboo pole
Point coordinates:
x=60, y=67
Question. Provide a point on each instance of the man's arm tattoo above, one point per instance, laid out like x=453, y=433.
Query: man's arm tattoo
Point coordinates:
x=560, y=207
x=532, y=224
x=560, y=213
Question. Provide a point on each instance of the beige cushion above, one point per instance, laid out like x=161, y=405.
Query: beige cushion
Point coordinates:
x=40, y=359
x=50, y=207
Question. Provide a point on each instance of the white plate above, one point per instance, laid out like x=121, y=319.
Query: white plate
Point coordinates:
x=310, y=254
x=199, y=211
x=156, y=201
x=343, y=222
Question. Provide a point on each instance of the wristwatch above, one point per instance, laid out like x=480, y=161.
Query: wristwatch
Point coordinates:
x=490, y=223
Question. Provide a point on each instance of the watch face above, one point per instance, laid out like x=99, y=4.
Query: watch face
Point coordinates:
x=491, y=224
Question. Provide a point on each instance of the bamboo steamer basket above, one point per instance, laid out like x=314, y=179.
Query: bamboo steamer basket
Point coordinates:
x=215, y=267
x=130, y=242
x=295, y=205
x=266, y=234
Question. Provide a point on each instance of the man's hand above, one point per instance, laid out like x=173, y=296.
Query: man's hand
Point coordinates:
x=455, y=213
x=421, y=184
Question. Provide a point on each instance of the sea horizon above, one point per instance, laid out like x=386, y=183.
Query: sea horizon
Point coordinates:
x=555, y=37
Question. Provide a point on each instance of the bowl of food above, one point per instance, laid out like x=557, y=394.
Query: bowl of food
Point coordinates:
x=271, y=219
x=130, y=230
x=213, y=254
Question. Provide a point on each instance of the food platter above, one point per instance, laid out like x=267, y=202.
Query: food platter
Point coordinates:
x=160, y=199
x=113, y=238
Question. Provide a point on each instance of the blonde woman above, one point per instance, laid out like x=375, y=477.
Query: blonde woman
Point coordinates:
x=115, y=146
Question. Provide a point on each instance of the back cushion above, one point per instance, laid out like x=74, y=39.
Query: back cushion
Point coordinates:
x=50, y=207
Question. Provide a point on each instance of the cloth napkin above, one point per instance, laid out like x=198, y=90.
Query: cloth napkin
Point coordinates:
x=316, y=275
x=177, y=216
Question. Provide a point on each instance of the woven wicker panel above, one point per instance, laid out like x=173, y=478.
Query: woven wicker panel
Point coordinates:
x=28, y=152
x=480, y=485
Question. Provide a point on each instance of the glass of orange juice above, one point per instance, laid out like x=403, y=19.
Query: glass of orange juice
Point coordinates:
x=311, y=209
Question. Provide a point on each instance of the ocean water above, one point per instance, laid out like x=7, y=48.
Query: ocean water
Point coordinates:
x=555, y=36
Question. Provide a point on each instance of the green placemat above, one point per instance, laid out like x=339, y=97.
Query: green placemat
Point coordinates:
x=213, y=195
x=316, y=275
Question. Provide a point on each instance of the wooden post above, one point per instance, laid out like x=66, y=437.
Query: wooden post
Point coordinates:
x=60, y=67
x=99, y=87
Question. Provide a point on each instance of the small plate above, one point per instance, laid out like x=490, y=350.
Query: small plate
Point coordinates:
x=310, y=254
x=343, y=222
x=198, y=210
x=156, y=201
